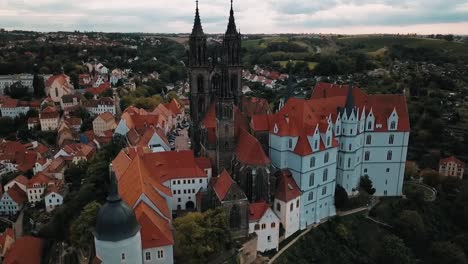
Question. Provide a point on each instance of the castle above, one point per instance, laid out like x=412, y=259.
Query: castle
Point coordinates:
x=268, y=171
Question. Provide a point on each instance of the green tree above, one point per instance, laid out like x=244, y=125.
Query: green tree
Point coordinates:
x=446, y=252
x=200, y=236
x=172, y=95
x=394, y=251
x=341, y=197
x=366, y=185
x=38, y=86
x=410, y=226
x=81, y=228
x=17, y=90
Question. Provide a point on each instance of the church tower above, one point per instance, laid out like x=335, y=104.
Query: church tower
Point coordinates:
x=117, y=233
x=199, y=75
x=232, y=58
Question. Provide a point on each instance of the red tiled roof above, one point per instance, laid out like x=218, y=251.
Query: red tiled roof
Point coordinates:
x=257, y=210
x=40, y=178
x=223, y=184
x=287, y=189
x=255, y=106
x=203, y=163
x=26, y=250
x=106, y=116
x=155, y=230
x=48, y=113
x=100, y=89
x=17, y=194
x=10, y=103
x=452, y=159
x=249, y=150
x=174, y=107
x=21, y=179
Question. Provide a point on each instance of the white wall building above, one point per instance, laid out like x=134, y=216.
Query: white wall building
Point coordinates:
x=265, y=223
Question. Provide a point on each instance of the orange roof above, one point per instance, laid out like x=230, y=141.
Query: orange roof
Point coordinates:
x=174, y=107
x=257, y=210
x=49, y=112
x=135, y=180
x=106, y=116
x=21, y=179
x=223, y=184
x=26, y=250
x=100, y=89
x=287, y=189
x=203, y=163
x=17, y=194
x=255, y=106
x=155, y=230
x=249, y=150
x=452, y=159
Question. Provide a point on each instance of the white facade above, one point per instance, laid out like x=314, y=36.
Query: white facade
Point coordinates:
x=35, y=193
x=125, y=251
x=156, y=144
x=158, y=255
x=25, y=79
x=12, y=183
x=52, y=200
x=184, y=192
x=14, y=112
x=288, y=214
x=49, y=124
x=8, y=206
x=267, y=230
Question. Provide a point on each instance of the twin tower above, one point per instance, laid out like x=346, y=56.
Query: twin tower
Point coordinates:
x=215, y=72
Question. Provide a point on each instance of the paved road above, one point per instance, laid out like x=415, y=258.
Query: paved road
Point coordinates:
x=181, y=142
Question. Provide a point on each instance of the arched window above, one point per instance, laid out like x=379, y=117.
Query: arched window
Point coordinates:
x=369, y=125
x=234, y=217
x=312, y=162
x=389, y=155
x=392, y=125
x=324, y=190
x=311, y=179
x=328, y=141
x=369, y=139
x=311, y=196
x=326, y=157
x=278, y=207
x=391, y=138
x=325, y=175
x=316, y=144
x=367, y=155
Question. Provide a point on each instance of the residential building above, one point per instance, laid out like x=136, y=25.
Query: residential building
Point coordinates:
x=37, y=186
x=70, y=101
x=104, y=122
x=76, y=152
x=265, y=224
x=25, y=79
x=102, y=105
x=49, y=118
x=152, y=138
x=14, y=108
x=33, y=123
x=12, y=201
x=21, y=181
x=451, y=167
x=53, y=197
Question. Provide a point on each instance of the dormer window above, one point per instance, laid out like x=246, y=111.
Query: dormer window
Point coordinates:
x=393, y=125
x=328, y=141
x=316, y=144
x=369, y=125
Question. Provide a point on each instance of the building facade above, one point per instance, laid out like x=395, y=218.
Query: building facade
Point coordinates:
x=451, y=167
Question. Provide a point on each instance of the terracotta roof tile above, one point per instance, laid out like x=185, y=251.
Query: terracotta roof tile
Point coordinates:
x=155, y=230
x=287, y=189
x=203, y=163
x=223, y=184
x=17, y=194
x=451, y=159
x=257, y=210
x=249, y=150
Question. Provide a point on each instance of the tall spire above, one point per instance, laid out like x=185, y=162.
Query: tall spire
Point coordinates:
x=113, y=195
x=197, y=27
x=350, y=105
x=231, y=29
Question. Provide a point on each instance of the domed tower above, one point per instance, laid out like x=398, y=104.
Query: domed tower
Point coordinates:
x=117, y=233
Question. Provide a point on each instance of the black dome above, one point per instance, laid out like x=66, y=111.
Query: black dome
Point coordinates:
x=115, y=221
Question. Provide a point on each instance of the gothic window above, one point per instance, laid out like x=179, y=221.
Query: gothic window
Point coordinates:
x=311, y=179
x=389, y=155
x=367, y=155
x=311, y=196
x=390, y=139
x=369, y=139
x=326, y=157
x=369, y=125
x=393, y=125
x=325, y=175
x=278, y=207
x=199, y=56
x=324, y=190
x=234, y=217
x=312, y=162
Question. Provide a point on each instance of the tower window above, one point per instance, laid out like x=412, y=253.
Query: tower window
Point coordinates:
x=311, y=196
x=312, y=162
x=324, y=190
x=349, y=162
x=311, y=179
x=391, y=138
x=369, y=139
x=278, y=207
x=367, y=155
x=369, y=125
x=350, y=146
x=325, y=175
x=326, y=157
x=389, y=155
x=393, y=125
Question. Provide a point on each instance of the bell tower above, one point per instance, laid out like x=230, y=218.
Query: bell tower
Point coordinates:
x=199, y=75
x=232, y=58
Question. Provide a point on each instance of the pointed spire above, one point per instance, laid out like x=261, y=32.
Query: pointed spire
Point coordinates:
x=350, y=105
x=113, y=195
x=231, y=29
x=197, y=27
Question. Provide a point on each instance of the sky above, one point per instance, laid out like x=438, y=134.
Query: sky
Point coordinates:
x=252, y=16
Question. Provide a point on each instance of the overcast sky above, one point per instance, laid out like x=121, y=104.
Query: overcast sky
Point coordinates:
x=252, y=16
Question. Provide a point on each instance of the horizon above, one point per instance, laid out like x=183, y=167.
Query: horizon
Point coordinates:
x=349, y=17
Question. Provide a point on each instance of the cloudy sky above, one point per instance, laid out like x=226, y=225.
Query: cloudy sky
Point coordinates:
x=253, y=16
